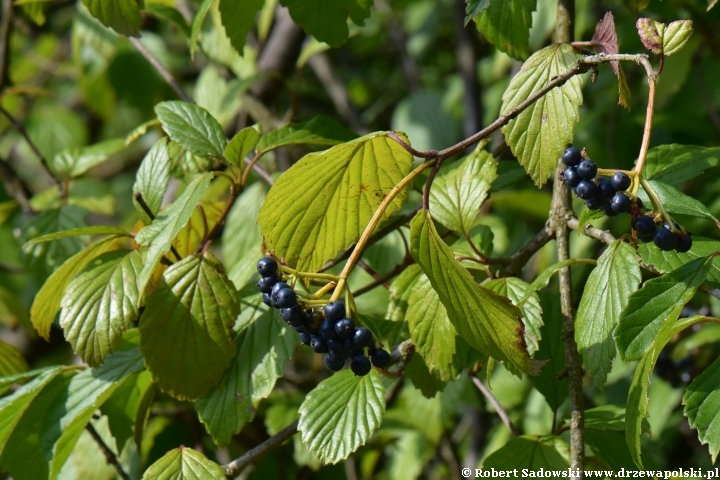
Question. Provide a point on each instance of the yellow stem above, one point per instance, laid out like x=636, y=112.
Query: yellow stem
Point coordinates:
x=324, y=290
x=648, y=127
x=321, y=276
x=610, y=171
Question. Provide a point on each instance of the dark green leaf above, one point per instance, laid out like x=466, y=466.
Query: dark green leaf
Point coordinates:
x=611, y=447
x=124, y=404
x=238, y=19
x=586, y=217
x=607, y=292
x=506, y=24
x=152, y=179
x=474, y=8
x=532, y=452
x=328, y=21
x=516, y=290
x=674, y=164
x=123, y=16
x=554, y=389
x=241, y=144
x=422, y=378
x=702, y=406
x=666, y=262
x=321, y=130
x=49, y=255
x=192, y=127
x=609, y=417
x=185, y=327
x=184, y=463
x=674, y=201
x=169, y=14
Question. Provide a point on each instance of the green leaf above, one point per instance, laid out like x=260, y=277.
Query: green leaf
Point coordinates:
x=586, y=217
x=649, y=35
x=532, y=452
x=123, y=406
x=192, y=127
x=184, y=463
x=657, y=303
x=552, y=350
x=79, y=232
x=544, y=277
x=321, y=205
x=474, y=8
x=401, y=289
x=637, y=402
x=47, y=300
x=340, y=414
x=197, y=24
x=538, y=136
x=430, y=328
x=100, y=304
x=158, y=236
x=241, y=241
x=73, y=162
x=608, y=417
x=238, y=19
x=11, y=361
x=674, y=201
x=321, y=130
x=611, y=447
x=123, y=16
x=48, y=256
x=422, y=378
x=506, y=24
x=674, y=164
x=607, y=292
x=676, y=35
x=702, y=405
x=241, y=144
x=666, y=262
x=169, y=14
x=152, y=179
x=185, y=327
x=516, y=290
x=487, y=321
x=264, y=343
x=327, y=21
x=457, y=194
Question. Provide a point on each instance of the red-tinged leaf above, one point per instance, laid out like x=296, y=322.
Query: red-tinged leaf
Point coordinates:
x=649, y=35
x=605, y=40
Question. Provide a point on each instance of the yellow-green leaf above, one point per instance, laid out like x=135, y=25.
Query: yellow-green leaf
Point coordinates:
x=184, y=464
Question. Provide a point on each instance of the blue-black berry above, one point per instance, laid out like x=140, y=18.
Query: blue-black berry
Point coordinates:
x=363, y=337
x=380, y=358
x=644, y=225
x=266, y=299
x=607, y=210
x=684, y=243
x=334, y=362
x=294, y=315
x=285, y=298
x=327, y=329
x=571, y=177
x=335, y=345
x=665, y=239
x=595, y=203
x=334, y=311
x=620, y=203
x=265, y=284
x=318, y=344
x=305, y=338
x=571, y=156
x=277, y=287
x=620, y=181
x=267, y=267
x=586, y=190
x=587, y=169
x=345, y=328
x=606, y=191
x=360, y=365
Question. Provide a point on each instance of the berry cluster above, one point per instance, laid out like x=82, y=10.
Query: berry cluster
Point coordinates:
x=608, y=196
x=335, y=334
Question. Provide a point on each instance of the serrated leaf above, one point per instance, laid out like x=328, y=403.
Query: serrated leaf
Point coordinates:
x=192, y=127
x=321, y=205
x=531, y=452
x=327, y=21
x=676, y=36
x=702, y=405
x=152, y=179
x=649, y=35
x=456, y=195
x=401, y=289
x=264, y=343
x=184, y=329
x=487, y=321
x=159, y=235
x=538, y=136
x=674, y=164
x=11, y=361
x=340, y=414
x=624, y=95
x=321, y=130
x=184, y=463
x=197, y=24
x=48, y=256
x=430, y=328
x=605, y=40
x=241, y=144
x=238, y=19
x=607, y=292
x=100, y=304
x=586, y=217
x=532, y=314
x=47, y=301
x=123, y=16
x=674, y=201
x=666, y=262
x=551, y=349
x=637, y=403
x=473, y=8
x=73, y=162
x=506, y=24
x=657, y=303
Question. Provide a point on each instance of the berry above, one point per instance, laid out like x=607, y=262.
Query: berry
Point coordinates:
x=380, y=358
x=644, y=225
x=665, y=239
x=620, y=203
x=571, y=177
x=267, y=267
x=285, y=298
x=276, y=288
x=360, y=365
x=363, y=337
x=265, y=284
x=684, y=244
x=294, y=315
x=350, y=346
x=266, y=299
x=586, y=190
x=334, y=363
x=334, y=311
x=595, y=203
x=318, y=344
x=571, y=156
x=607, y=210
x=621, y=181
x=335, y=345
x=606, y=191
x=327, y=329
x=639, y=204
x=305, y=338
x=587, y=169
x=345, y=328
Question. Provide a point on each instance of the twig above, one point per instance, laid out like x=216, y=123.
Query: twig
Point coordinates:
x=409, y=260
x=20, y=128
x=378, y=278
x=109, y=454
x=519, y=260
x=590, y=231
x=164, y=72
x=7, y=16
x=234, y=193
x=494, y=402
x=235, y=467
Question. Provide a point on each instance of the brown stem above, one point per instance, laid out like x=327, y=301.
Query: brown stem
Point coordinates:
x=233, y=468
x=648, y=127
x=234, y=193
x=494, y=402
x=428, y=186
x=204, y=219
x=109, y=454
x=378, y=278
x=520, y=259
x=164, y=72
x=20, y=128
x=385, y=278
x=5, y=27
x=249, y=166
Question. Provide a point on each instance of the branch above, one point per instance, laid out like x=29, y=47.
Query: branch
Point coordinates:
x=5, y=26
x=164, y=72
x=520, y=259
x=20, y=128
x=494, y=402
x=109, y=454
x=590, y=231
x=233, y=468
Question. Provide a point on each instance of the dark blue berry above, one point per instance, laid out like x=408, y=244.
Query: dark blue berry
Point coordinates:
x=277, y=287
x=286, y=298
x=571, y=156
x=334, y=311
x=607, y=210
x=571, y=177
x=360, y=365
x=350, y=346
x=586, y=190
x=345, y=328
x=267, y=267
x=620, y=203
x=639, y=204
x=294, y=315
x=327, y=329
x=587, y=169
x=595, y=203
x=336, y=346
x=621, y=181
x=318, y=344
x=265, y=284
x=334, y=363
x=363, y=337
x=606, y=191
x=684, y=243
x=380, y=358
x=644, y=225
x=305, y=338
x=266, y=299
x=665, y=239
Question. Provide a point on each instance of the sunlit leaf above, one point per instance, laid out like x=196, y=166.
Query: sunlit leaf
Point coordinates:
x=192, y=127
x=184, y=464
x=321, y=130
x=152, y=179
x=123, y=16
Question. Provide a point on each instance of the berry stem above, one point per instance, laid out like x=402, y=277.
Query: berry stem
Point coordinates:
x=648, y=126
x=657, y=204
x=321, y=276
x=325, y=289
x=610, y=171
